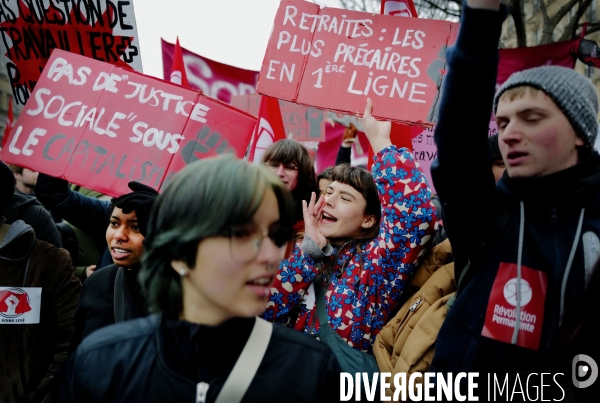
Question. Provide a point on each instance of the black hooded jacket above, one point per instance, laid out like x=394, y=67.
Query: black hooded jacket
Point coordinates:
x=552, y=208
x=29, y=209
x=524, y=248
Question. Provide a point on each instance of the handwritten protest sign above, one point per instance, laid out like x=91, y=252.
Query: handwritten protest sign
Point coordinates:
x=332, y=58
x=300, y=122
x=104, y=30
x=101, y=126
x=217, y=80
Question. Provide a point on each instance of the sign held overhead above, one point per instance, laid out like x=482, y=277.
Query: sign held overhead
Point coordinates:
x=334, y=59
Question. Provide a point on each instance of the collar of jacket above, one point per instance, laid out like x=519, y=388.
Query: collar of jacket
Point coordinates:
x=190, y=348
x=577, y=185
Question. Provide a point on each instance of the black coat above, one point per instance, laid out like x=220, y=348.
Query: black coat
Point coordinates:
x=31, y=354
x=159, y=360
x=96, y=308
x=549, y=218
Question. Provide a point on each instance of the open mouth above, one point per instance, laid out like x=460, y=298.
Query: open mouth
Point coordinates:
x=119, y=253
x=260, y=286
x=327, y=218
x=262, y=281
x=515, y=155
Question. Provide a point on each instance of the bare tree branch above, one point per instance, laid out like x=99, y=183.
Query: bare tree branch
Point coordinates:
x=592, y=27
x=571, y=28
x=563, y=11
x=516, y=11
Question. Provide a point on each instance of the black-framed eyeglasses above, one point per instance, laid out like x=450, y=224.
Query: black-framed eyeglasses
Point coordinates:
x=245, y=240
x=287, y=168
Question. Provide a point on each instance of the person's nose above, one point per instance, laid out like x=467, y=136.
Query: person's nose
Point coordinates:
x=511, y=133
x=280, y=171
x=269, y=254
x=330, y=200
x=121, y=234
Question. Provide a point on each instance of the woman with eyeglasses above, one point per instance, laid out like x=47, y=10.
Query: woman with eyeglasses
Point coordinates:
x=215, y=240
x=292, y=163
x=362, y=242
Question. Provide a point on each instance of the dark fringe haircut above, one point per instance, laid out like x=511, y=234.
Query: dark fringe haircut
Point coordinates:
x=292, y=152
x=361, y=180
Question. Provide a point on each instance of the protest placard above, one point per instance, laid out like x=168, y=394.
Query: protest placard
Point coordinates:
x=300, y=122
x=101, y=126
x=334, y=59
x=217, y=80
x=104, y=30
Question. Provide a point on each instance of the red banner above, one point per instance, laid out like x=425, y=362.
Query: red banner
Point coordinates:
x=332, y=58
x=217, y=80
x=104, y=30
x=556, y=54
x=101, y=126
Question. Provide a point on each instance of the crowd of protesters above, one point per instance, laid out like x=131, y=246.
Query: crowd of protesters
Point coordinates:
x=262, y=283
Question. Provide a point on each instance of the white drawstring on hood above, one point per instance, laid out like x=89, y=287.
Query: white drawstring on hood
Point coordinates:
x=563, y=288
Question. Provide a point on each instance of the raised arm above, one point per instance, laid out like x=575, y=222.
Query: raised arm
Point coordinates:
x=408, y=217
x=88, y=214
x=465, y=185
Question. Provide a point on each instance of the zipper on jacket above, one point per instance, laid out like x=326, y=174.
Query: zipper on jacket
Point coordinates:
x=201, y=392
x=415, y=305
x=553, y=217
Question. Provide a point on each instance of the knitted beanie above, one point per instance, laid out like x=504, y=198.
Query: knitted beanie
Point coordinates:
x=573, y=93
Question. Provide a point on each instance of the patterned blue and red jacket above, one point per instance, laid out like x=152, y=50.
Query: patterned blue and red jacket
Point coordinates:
x=366, y=278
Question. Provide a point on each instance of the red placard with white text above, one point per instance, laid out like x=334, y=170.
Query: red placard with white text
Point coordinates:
x=335, y=59
x=101, y=126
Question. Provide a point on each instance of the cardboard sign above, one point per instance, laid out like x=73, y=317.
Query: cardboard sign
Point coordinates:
x=217, y=80
x=301, y=123
x=20, y=306
x=101, y=126
x=500, y=318
x=104, y=30
x=334, y=59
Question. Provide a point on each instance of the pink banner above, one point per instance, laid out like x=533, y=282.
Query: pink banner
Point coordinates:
x=214, y=79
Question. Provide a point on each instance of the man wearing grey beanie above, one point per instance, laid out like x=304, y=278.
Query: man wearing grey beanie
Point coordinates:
x=522, y=275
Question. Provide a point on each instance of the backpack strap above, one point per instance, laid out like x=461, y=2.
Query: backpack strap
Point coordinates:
x=119, y=296
x=247, y=364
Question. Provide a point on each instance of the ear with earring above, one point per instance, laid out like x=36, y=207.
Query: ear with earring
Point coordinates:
x=182, y=272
